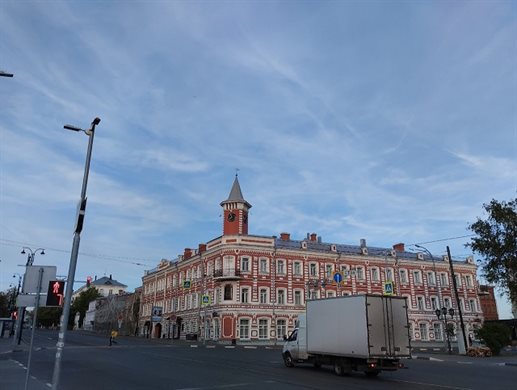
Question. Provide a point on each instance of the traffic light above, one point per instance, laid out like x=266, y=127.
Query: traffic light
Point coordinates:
x=55, y=293
x=88, y=281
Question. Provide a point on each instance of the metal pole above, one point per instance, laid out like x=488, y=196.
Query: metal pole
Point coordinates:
x=34, y=324
x=73, y=260
x=457, y=298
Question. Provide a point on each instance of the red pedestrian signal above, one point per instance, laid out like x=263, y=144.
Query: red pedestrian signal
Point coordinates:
x=56, y=289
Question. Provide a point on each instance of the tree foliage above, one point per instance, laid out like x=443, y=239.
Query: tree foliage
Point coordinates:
x=80, y=304
x=49, y=316
x=496, y=241
x=494, y=335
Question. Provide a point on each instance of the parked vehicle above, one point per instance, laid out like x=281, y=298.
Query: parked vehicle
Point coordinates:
x=368, y=333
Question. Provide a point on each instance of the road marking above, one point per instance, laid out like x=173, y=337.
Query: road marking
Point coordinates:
x=435, y=359
x=216, y=387
x=229, y=347
x=464, y=362
x=432, y=384
x=193, y=346
x=249, y=347
x=210, y=346
x=48, y=384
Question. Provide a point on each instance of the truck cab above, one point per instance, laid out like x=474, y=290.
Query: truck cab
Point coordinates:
x=295, y=346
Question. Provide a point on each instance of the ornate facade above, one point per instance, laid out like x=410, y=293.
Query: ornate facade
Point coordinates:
x=252, y=288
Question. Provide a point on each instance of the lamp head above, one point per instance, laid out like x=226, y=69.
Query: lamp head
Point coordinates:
x=23, y=251
x=96, y=121
x=451, y=312
x=43, y=251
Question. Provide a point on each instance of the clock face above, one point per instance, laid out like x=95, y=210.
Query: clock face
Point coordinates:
x=231, y=217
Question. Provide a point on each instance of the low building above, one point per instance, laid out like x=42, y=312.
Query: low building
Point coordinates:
x=252, y=288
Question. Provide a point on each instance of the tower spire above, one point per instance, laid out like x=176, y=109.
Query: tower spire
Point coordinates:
x=235, y=210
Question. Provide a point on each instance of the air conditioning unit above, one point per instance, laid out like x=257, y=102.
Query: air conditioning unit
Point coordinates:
x=420, y=256
x=364, y=251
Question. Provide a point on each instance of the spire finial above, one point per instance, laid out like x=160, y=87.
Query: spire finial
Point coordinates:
x=237, y=172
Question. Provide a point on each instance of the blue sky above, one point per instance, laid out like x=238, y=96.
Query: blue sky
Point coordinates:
x=389, y=121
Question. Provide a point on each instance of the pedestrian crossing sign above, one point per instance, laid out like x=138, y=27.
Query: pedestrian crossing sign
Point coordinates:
x=388, y=288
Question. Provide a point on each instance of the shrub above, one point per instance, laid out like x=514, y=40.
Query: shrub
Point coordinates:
x=494, y=335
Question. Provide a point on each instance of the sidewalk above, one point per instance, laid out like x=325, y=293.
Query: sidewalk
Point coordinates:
x=501, y=360
x=13, y=370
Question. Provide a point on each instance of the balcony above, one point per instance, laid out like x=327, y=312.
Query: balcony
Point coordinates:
x=227, y=274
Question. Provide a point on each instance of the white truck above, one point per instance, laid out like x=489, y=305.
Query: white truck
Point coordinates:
x=368, y=333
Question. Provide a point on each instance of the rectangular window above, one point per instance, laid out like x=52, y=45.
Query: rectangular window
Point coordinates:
x=444, y=280
x=431, y=280
x=420, y=303
x=280, y=268
x=416, y=277
x=434, y=303
x=297, y=268
x=244, y=295
x=375, y=274
x=244, y=329
x=403, y=276
x=447, y=303
x=297, y=297
x=423, y=332
x=281, y=297
x=263, y=295
x=263, y=329
x=360, y=273
x=329, y=270
x=330, y=294
x=314, y=295
x=312, y=270
x=389, y=274
x=245, y=264
x=437, y=330
x=468, y=280
x=281, y=329
x=263, y=266
x=472, y=304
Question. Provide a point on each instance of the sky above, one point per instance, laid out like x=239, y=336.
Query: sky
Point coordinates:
x=392, y=121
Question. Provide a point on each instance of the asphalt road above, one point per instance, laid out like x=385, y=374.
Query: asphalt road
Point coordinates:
x=88, y=362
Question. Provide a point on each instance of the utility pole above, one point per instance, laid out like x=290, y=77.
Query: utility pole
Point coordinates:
x=457, y=300
x=81, y=211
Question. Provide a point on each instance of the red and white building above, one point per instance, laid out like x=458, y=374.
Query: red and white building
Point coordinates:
x=252, y=288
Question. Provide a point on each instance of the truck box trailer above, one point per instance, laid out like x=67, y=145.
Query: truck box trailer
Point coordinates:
x=368, y=333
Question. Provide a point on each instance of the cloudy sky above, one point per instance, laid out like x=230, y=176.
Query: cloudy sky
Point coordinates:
x=389, y=121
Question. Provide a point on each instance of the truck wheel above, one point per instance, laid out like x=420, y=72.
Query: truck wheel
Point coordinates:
x=372, y=374
x=288, y=360
x=338, y=368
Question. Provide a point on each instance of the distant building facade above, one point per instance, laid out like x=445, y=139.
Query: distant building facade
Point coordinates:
x=106, y=286
x=252, y=288
x=488, y=303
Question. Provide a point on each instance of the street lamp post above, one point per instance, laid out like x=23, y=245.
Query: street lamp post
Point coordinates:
x=81, y=210
x=21, y=310
x=443, y=311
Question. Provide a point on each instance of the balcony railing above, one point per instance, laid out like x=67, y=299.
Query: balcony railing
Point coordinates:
x=227, y=273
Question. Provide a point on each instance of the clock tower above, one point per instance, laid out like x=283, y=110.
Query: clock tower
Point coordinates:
x=235, y=211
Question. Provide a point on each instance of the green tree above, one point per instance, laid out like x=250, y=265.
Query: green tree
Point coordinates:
x=49, y=316
x=494, y=335
x=80, y=304
x=496, y=240
x=4, y=304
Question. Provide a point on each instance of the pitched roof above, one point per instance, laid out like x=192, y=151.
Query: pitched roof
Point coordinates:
x=105, y=281
x=236, y=194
